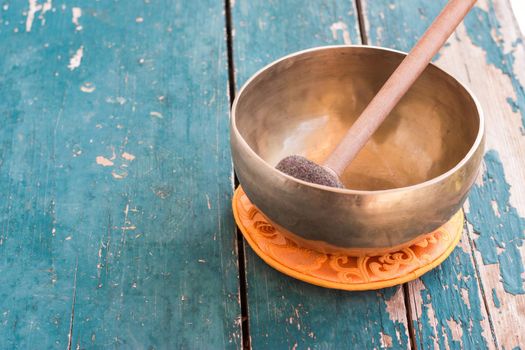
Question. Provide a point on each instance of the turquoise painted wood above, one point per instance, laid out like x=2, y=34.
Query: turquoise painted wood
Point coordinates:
x=505, y=229
x=452, y=292
x=391, y=25
x=115, y=176
x=115, y=184
x=285, y=313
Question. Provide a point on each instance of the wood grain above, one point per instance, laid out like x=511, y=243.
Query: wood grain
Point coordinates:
x=115, y=177
x=486, y=53
x=283, y=312
x=497, y=205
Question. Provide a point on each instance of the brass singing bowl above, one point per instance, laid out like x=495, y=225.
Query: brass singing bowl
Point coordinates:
x=409, y=179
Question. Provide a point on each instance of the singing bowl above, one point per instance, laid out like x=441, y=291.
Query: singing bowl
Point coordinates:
x=409, y=179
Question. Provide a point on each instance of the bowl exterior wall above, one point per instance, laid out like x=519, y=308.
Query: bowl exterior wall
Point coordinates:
x=354, y=219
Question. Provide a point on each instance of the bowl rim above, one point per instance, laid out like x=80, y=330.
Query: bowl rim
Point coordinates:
x=476, y=144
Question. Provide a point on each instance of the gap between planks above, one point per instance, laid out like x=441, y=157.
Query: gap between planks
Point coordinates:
x=361, y=22
x=243, y=295
x=240, y=240
x=72, y=319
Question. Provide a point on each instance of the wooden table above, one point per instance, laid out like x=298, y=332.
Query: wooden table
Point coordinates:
x=116, y=179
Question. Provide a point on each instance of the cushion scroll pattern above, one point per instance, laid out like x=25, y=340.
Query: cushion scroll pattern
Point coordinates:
x=368, y=266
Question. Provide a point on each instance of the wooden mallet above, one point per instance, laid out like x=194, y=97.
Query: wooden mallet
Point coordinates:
x=374, y=114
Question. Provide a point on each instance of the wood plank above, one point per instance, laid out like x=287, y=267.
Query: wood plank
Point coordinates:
x=115, y=176
x=447, y=307
x=497, y=205
x=285, y=313
x=487, y=54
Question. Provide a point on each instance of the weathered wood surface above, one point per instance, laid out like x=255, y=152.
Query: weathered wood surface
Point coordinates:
x=115, y=179
x=115, y=176
x=449, y=305
x=285, y=313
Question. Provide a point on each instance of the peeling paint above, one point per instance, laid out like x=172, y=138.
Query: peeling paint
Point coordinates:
x=392, y=306
x=496, y=198
x=104, y=161
x=343, y=28
x=506, y=231
x=76, y=12
x=457, y=331
x=391, y=299
x=475, y=23
x=128, y=156
x=445, y=295
x=34, y=7
x=156, y=114
x=208, y=201
x=386, y=340
x=87, y=88
x=76, y=59
x=495, y=208
x=119, y=176
x=464, y=296
x=452, y=293
x=55, y=125
x=428, y=329
x=503, y=125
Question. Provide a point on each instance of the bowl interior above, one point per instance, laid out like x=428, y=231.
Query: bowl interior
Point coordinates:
x=305, y=103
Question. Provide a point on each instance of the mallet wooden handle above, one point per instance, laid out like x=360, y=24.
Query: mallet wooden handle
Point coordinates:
x=398, y=84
